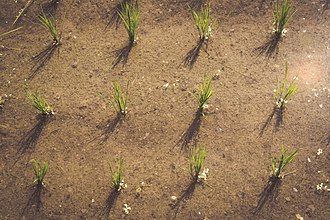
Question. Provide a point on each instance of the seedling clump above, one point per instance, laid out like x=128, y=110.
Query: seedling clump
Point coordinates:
x=49, y=24
x=40, y=104
x=282, y=14
x=39, y=171
x=203, y=23
x=196, y=162
x=280, y=164
x=120, y=99
x=129, y=14
x=117, y=176
x=283, y=94
x=205, y=92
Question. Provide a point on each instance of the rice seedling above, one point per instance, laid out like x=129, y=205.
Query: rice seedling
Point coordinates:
x=39, y=171
x=283, y=94
x=280, y=164
x=129, y=14
x=203, y=22
x=282, y=14
x=117, y=176
x=205, y=92
x=120, y=99
x=40, y=103
x=196, y=161
x=49, y=24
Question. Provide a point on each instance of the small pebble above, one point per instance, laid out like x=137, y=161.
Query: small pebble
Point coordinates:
x=295, y=189
x=174, y=198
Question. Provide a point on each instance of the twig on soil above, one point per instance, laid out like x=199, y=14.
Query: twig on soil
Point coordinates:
x=10, y=31
x=27, y=5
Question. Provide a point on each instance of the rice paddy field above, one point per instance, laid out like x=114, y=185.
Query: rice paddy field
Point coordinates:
x=161, y=71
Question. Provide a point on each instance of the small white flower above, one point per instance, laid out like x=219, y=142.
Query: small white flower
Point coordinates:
x=319, y=152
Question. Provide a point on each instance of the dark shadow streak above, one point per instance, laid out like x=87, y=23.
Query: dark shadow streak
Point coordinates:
x=30, y=139
x=187, y=194
x=34, y=201
x=327, y=140
x=269, y=193
x=261, y=6
x=278, y=112
x=279, y=117
x=196, y=4
x=122, y=54
x=50, y=7
x=42, y=58
x=326, y=5
x=191, y=57
x=108, y=204
x=114, y=17
x=270, y=47
x=111, y=126
x=192, y=131
x=267, y=123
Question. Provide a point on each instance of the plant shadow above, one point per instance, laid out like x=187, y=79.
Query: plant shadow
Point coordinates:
x=270, y=47
x=269, y=193
x=50, y=7
x=110, y=127
x=278, y=113
x=326, y=140
x=122, y=54
x=34, y=203
x=114, y=16
x=191, y=57
x=187, y=194
x=196, y=4
x=192, y=132
x=41, y=59
x=326, y=5
x=30, y=139
x=112, y=197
